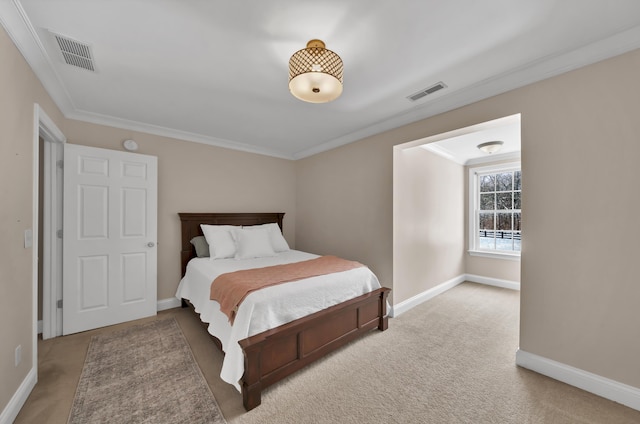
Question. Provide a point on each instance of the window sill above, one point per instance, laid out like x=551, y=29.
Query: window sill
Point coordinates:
x=495, y=255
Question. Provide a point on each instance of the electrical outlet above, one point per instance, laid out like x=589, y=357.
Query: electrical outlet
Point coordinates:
x=18, y=355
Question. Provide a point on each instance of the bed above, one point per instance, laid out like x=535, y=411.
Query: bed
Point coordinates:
x=272, y=354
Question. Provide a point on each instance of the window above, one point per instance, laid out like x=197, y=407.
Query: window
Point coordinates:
x=495, y=210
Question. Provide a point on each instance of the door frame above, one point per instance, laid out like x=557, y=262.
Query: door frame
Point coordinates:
x=43, y=126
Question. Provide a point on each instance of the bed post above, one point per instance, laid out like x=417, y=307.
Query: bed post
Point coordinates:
x=251, y=384
x=384, y=319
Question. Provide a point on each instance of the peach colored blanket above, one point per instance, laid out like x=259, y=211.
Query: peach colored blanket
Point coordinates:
x=230, y=289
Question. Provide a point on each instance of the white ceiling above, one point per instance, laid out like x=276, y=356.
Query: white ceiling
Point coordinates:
x=461, y=146
x=215, y=71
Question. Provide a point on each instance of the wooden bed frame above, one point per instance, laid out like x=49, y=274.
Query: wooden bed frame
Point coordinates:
x=275, y=354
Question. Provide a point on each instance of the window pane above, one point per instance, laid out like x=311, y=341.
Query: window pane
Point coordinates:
x=504, y=222
x=487, y=183
x=504, y=181
x=517, y=183
x=505, y=241
x=487, y=243
x=504, y=201
x=487, y=202
x=486, y=221
x=500, y=195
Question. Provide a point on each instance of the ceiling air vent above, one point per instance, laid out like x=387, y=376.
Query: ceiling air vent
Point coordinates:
x=420, y=94
x=75, y=53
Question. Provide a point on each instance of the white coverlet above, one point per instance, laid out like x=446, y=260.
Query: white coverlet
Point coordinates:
x=268, y=307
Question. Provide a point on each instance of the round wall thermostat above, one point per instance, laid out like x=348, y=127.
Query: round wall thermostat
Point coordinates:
x=130, y=145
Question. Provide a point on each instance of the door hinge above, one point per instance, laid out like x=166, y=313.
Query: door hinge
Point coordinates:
x=59, y=304
x=60, y=164
x=59, y=234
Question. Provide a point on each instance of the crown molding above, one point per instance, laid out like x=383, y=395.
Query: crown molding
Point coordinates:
x=529, y=73
x=15, y=21
x=111, y=121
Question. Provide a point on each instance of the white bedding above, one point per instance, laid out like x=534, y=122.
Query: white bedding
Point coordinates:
x=269, y=307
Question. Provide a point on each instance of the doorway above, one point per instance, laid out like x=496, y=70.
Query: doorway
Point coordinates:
x=431, y=213
x=128, y=257
x=47, y=216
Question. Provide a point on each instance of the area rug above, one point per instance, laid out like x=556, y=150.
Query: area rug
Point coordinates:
x=143, y=374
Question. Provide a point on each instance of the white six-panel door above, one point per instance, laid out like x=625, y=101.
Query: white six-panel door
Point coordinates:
x=110, y=235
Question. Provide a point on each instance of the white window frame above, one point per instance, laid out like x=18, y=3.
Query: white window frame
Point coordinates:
x=474, y=206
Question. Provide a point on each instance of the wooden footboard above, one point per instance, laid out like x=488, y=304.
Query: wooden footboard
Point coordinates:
x=277, y=353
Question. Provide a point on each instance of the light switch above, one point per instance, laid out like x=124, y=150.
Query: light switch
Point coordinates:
x=28, y=238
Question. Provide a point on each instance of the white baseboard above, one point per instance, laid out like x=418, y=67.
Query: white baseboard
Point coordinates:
x=172, y=302
x=505, y=284
x=414, y=301
x=18, y=399
x=404, y=306
x=601, y=386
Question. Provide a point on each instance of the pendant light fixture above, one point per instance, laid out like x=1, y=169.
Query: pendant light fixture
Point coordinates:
x=315, y=73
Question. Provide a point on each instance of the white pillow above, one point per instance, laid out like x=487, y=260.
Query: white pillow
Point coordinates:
x=220, y=240
x=254, y=243
x=223, y=245
x=278, y=241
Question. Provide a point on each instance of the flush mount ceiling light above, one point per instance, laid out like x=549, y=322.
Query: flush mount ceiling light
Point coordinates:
x=491, y=146
x=315, y=73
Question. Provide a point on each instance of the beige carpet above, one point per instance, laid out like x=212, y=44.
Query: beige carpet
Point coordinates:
x=449, y=360
x=143, y=374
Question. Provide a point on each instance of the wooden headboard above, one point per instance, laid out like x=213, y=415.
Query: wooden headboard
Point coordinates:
x=191, y=227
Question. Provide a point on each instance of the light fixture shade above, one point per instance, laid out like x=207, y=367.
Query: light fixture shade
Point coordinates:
x=315, y=73
x=491, y=146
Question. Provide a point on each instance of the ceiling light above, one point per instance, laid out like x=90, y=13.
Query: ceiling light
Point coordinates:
x=491, y=146
x=315, y=73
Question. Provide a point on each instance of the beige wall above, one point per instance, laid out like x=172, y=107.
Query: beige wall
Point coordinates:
x=501, y=269
x=199, y=178
x=428, y=221
x=343, y=205
x=580, y=204
x=580, y=153
x=19, y=90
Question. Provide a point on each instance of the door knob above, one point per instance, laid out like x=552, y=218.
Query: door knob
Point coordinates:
x=151, y=244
